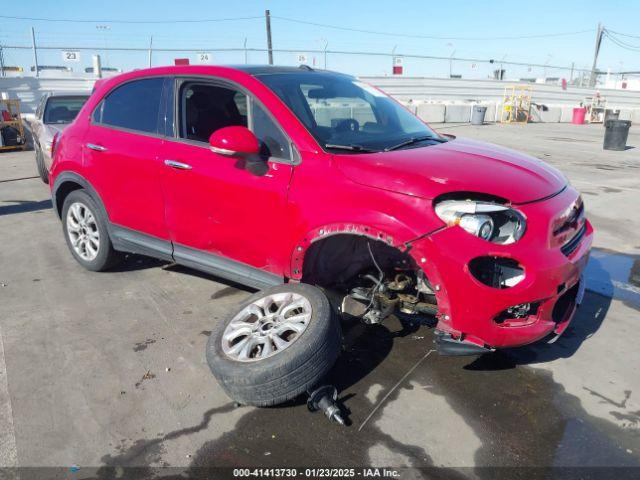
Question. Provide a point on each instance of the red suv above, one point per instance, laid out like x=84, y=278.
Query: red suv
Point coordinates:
x=271, y=175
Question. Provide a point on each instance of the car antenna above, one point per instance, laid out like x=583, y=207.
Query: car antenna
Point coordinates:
x=306, y=67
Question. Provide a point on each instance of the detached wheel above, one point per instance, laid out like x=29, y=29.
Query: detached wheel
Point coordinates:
x=86, y=233
x=42, y=169
x=279, y=342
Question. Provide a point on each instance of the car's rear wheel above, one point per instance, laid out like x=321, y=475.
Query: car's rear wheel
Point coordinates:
x=42, y=169
x=86, y=233
x=278, y=344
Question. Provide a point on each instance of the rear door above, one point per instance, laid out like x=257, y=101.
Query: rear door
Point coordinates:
x=121, y=155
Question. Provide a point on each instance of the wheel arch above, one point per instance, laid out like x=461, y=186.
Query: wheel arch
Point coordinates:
x=300, y=257
x=66, y=183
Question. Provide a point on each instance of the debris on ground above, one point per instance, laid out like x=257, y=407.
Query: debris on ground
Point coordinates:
x=146, y=376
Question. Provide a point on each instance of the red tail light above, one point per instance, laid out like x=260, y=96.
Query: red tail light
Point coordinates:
x=54, y=144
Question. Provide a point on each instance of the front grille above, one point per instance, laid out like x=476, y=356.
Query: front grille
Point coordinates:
x=569, y=247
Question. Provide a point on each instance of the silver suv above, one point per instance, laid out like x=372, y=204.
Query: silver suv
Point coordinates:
x=54, y=113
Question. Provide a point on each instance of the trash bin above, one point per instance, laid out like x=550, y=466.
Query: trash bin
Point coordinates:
x=579, y=115
x=615, y=134
x=477, y=114
x=610, y=114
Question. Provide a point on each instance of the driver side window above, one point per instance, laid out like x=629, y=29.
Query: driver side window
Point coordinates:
x=205, y=108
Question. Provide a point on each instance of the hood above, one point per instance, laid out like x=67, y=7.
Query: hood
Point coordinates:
x=457, y=165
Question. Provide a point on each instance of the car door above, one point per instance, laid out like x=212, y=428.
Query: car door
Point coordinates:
x=221, y=208
x=121, y=156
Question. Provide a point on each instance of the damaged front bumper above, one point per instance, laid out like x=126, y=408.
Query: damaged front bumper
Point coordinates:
x=478, y=313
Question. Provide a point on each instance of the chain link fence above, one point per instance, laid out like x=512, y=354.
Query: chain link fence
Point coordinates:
x=21, y=53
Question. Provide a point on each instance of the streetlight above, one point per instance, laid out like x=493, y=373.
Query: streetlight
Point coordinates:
x=104, y=29
x=453, y=52
x=549, y=57
x=500, y=73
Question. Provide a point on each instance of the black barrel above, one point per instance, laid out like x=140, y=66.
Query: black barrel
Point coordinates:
x=615, y=134
x=610, y=114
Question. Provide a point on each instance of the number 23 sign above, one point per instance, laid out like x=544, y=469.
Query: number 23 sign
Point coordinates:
x=69, y=56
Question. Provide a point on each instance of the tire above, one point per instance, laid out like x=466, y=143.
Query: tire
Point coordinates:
x=42, y=170
x=96, y=259
x=290, y=371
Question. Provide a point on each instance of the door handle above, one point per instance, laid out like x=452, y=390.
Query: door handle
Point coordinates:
x=97, y=148
x=178, y=165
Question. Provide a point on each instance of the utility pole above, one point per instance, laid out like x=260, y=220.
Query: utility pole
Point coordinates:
x=1, y=62
x=267, y=16
x=592, y=78
x=35, y=52
x=573, y=65
x=150, y=49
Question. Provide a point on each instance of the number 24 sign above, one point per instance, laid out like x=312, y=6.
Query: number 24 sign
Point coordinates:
x=204, y=58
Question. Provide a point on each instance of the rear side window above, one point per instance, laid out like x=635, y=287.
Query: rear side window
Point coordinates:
x=63, y=109
x=134, y=106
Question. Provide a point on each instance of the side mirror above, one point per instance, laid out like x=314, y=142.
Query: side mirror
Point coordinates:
x=234, y=141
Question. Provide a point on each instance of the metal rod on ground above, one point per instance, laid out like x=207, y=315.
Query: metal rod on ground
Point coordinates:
x=267, y=15
x=35, y=52
x=592, y=78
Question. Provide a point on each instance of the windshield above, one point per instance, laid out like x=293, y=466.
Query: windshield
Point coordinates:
x=346, y=114
x=63, y=109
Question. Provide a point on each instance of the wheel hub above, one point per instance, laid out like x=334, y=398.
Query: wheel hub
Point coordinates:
x=266, y=326
x=82, y=229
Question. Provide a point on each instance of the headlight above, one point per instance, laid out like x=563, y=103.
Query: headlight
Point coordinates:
x=490, y=221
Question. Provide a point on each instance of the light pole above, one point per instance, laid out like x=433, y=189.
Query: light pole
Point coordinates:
x=451, y=63
x=549, y=57
x=326, y=45
x=453, y=52
x=501, y=68
x=104, y=29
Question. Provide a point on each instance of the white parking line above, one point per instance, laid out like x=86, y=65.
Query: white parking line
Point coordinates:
x=8, y=453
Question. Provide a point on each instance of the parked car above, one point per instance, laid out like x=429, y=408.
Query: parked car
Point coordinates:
x=53, y=114
x=274, y=175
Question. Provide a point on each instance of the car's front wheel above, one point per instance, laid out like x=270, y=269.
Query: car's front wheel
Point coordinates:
x=42, y=169
x=86, y=233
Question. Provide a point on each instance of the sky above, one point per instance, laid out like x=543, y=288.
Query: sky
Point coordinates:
x=405, y=24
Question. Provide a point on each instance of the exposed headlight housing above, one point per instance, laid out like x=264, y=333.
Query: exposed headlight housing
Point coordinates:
x=487, y=220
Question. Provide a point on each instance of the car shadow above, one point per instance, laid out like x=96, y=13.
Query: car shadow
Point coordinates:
x=364, y=348
x=174, y=267
x=132, y=262
x=24, y=206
